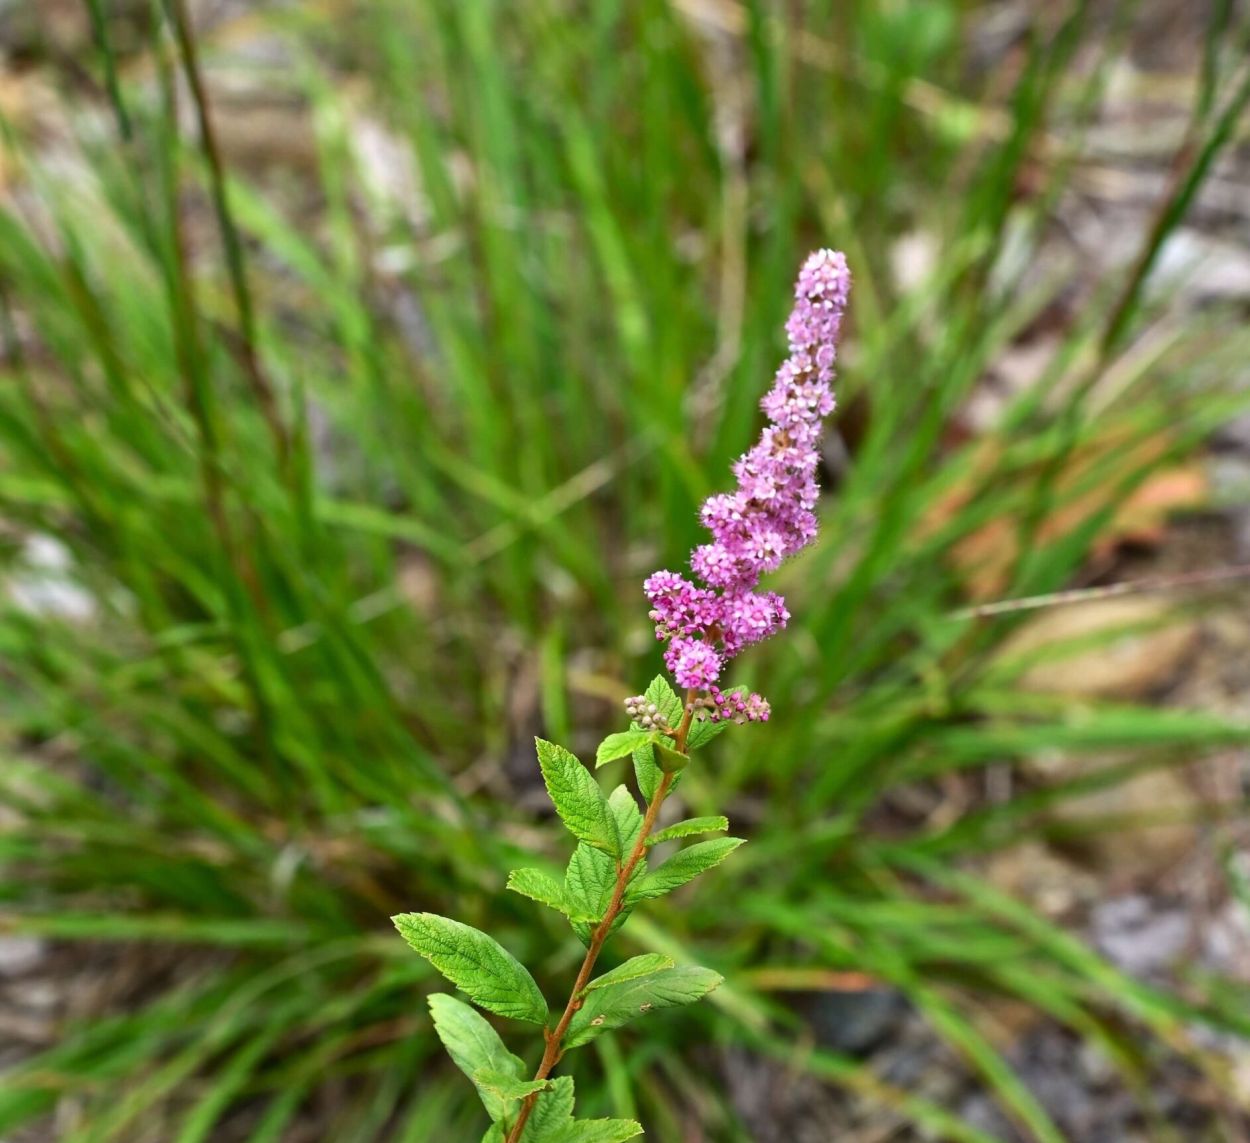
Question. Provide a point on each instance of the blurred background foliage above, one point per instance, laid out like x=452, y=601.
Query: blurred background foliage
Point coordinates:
x=336, y=440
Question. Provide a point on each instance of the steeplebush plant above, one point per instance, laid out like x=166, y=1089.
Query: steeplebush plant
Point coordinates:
x=768, y=517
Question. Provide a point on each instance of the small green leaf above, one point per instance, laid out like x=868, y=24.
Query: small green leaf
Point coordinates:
x=589, y=883
x=620, y=744
x=685, y=865
x=507, y=1088
x=617, y=1004
x=669, y=760
x=595, y=1131
x=552, y=1111
x=647, y=771
x=632, y=969
x=476, y=1049
x=589, y=880
x=546, y=890
x=628, y=818
x=577, y=797
x=689, y=828
x=537, y=886
x=475, y=963
x=494, y=1134
x=665, y=699
x=552, y=1120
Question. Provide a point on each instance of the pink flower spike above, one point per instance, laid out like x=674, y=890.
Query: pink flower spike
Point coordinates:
x=768, y=517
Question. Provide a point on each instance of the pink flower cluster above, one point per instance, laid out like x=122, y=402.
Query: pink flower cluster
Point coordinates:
x=731, y=706
x=770, y=514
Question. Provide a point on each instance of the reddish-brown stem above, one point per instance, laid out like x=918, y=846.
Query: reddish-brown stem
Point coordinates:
x=599, y=935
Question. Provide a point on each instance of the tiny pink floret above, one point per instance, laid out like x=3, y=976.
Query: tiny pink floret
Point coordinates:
x=769, y=516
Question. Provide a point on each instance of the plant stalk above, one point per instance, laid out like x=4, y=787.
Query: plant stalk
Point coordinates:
x=599, y=937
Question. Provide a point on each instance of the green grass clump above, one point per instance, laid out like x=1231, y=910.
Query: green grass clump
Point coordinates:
x=361, y=492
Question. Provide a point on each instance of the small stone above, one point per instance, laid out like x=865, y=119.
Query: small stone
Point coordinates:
x=1241, y=1076
x=854, y=1021
x=19, y=955
x=1226, y=940
x=1118, y=648
x=1139, y=935
x=39, y=995
x=1034, y=874
x=1134, y=831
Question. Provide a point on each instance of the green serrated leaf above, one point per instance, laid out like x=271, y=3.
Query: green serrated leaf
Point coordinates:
x=494, y=1134
x=670, y=761
x=537, y=886
x=666, y=700
x=632, y=969
x=475, y=963
x=689, y=828
x=628, y=818
x=647, y=771
x=475, y=1048
x=588, y=884
x=618, y=1004
x=595, y=1131
x=552, y=1111
x=508, y=1088
x=685, y=865
x=577, y=797
x=590, y=879
x=552, y=1121
x=622, y=743
x=546, y=890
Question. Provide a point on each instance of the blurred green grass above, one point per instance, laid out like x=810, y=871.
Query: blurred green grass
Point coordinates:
x=365, y=502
